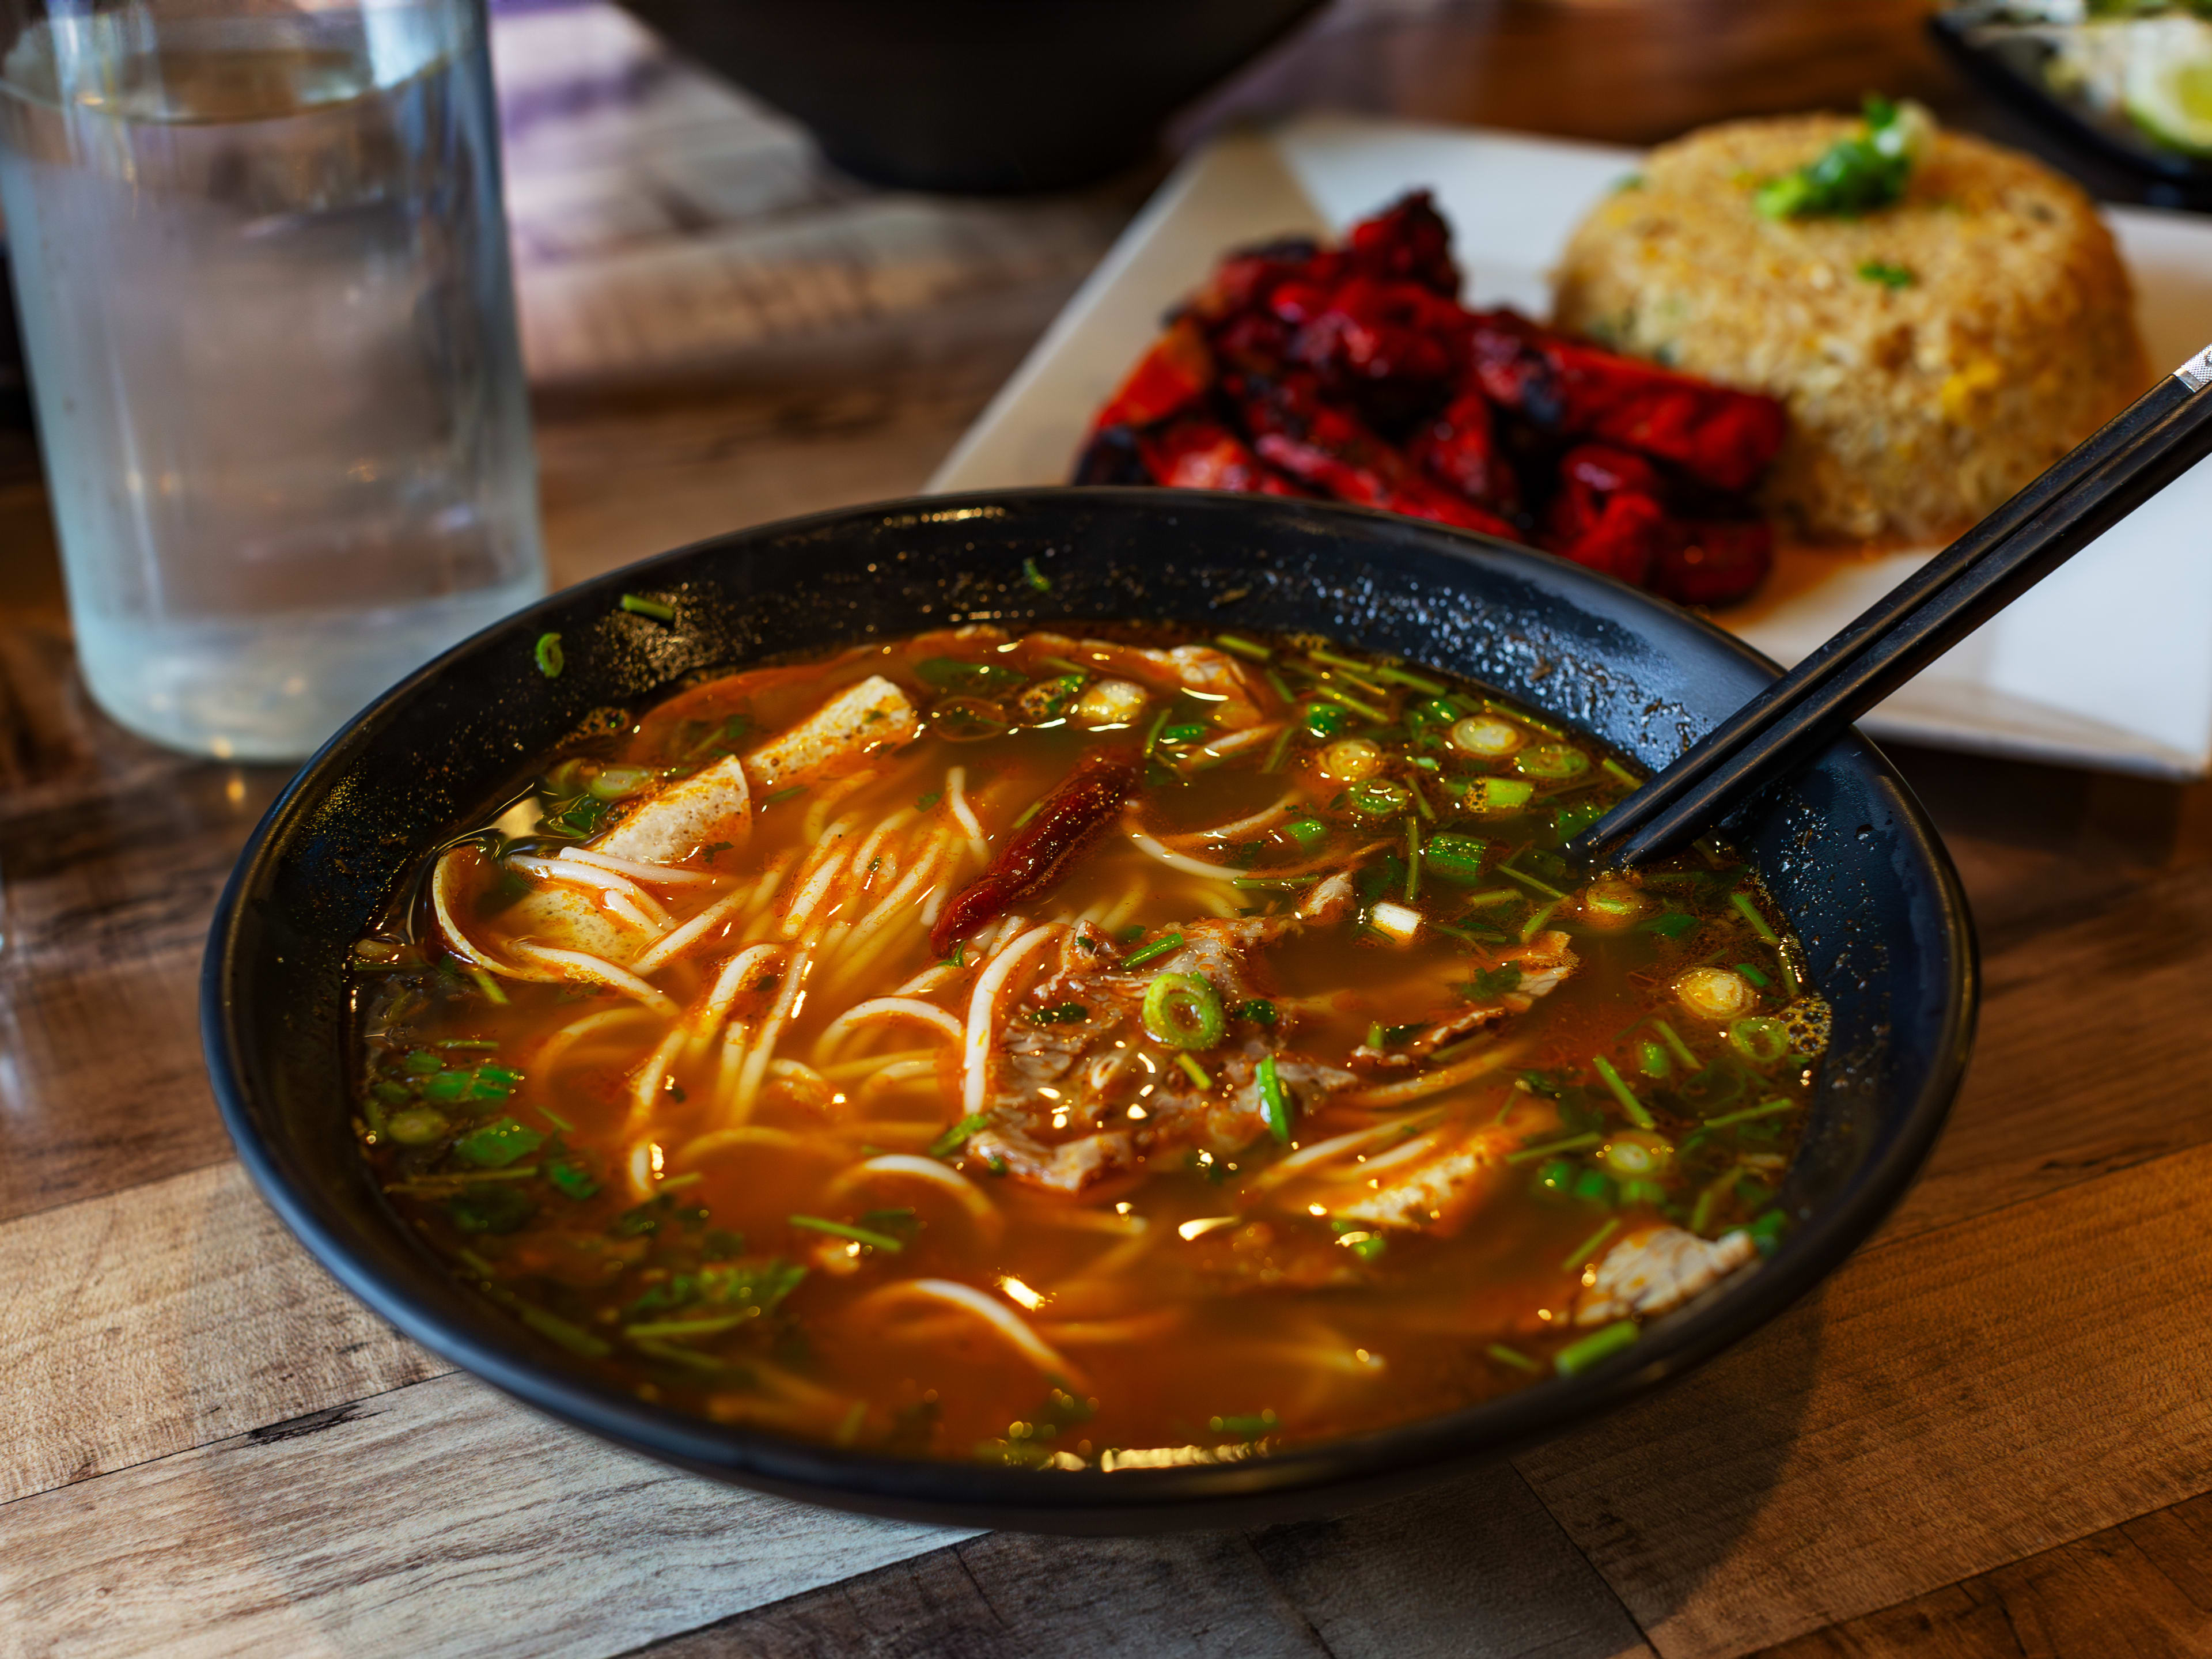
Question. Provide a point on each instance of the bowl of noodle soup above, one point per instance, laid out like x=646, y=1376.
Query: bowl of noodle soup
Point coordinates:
x=1054, y=1008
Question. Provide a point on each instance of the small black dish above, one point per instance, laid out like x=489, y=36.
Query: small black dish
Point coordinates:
x=977, y=95
x=2009, y=66
x=1845, y=849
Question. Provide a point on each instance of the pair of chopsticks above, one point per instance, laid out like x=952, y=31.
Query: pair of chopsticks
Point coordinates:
x=2141, y=450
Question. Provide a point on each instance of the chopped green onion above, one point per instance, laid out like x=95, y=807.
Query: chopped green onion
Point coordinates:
x=1457, y=858
x=1760, y=1040
x=1030, y=812
x=1571, y=1144
x=1629, y=1104
x=1652, y=1058
x=418, y=1126
x=1690, y=1061
x=1551, y=762
x=1493, y=896
x=1405, y=677
x=1275, y=1104
x=1751, y=971
x=470, y=1042
x=1535, y=925
x=957, y=1136
x=1620, y=772
x=1064, y=1014
x=639, y=606
x=867, y=1235
x=1244, y=648
x=1281, y=748
x=783, y=794
x=1529, y=881
x=1309, y=833
x=1380, y=798
x=1366, y=710
x=1672, y=925
x=1513, y=1357
x=1196, y=1073
x=1589, y=1246
x=1499, y=794
x=1759, y=924
x=1526, y=718
x=1323, y=720
x=1187, y=731
x=1274, y=883
x=550, y=659
x=1183, y=1010
x=1600, y=1344
x=1035, y=577
x=1164, y=945
x=1152, y=736
x=1767, y=1108
x=1258, y=1011
x=1412, y=860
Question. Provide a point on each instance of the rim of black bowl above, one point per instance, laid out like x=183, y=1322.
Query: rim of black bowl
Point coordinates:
x=1307, y=1478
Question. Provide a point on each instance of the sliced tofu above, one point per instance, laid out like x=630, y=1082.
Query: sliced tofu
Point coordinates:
x=556, y=914
x=1648, y=1273
x=852, y=725
x=715, y=803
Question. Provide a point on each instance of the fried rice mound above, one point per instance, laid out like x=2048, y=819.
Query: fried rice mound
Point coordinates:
x=1935, y=354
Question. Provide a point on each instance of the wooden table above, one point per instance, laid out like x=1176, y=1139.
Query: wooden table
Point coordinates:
x=1987, y=1434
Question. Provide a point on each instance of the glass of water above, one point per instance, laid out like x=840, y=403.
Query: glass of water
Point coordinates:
x=261, y=265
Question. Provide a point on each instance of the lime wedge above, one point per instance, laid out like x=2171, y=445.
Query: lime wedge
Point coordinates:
x=2169, y=84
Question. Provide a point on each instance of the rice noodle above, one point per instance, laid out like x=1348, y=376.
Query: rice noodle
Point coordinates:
x=996, y=1315
x=850, y=1071
x=788, y=995
x=883, y=1008
x=801, y=1079
x=642, y=907
x=1230, y=743
x=929, y=979
x=637, y=870
x=898, y=1075
x=1134, y=1327
x=905, y=1166
x=729, y=1063
x=578, y=964
x=707, y=1014
x=803, y=902
x=1266, y=817
x=638, y=1170
x=1118, y=914
x=874, y=848
x=1431, y=1083
x=674, y=944
x=826, y=799
x=1181, y=862
x=956, y=797
x=751, y=1134
x=770, y=883
x=1321, y=1152
x=646, y=1087
x=988, y=983
x=546, y=1058
x=1412, y=1152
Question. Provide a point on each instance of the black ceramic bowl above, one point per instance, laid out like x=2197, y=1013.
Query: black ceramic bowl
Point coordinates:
x=976, y=94
x=1845, y=850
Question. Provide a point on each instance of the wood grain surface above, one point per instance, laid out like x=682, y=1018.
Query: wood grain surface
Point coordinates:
x=1987, y=1434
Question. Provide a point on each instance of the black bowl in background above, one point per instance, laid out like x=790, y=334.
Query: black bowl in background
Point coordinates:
x=976, y=95
x=1845, y=850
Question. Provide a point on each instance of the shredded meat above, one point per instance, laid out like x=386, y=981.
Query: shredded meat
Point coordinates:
x=1544, y=963
x=1080, y=1096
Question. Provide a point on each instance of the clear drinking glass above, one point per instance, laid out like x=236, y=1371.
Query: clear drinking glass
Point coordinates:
x=261, y=264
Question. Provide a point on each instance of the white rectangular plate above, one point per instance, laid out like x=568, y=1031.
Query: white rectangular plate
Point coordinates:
x=2107, y=664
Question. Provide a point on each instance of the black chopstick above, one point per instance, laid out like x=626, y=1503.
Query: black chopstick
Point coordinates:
x=2141, y=450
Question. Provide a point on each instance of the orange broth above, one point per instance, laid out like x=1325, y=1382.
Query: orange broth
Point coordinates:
x=625, y=1181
